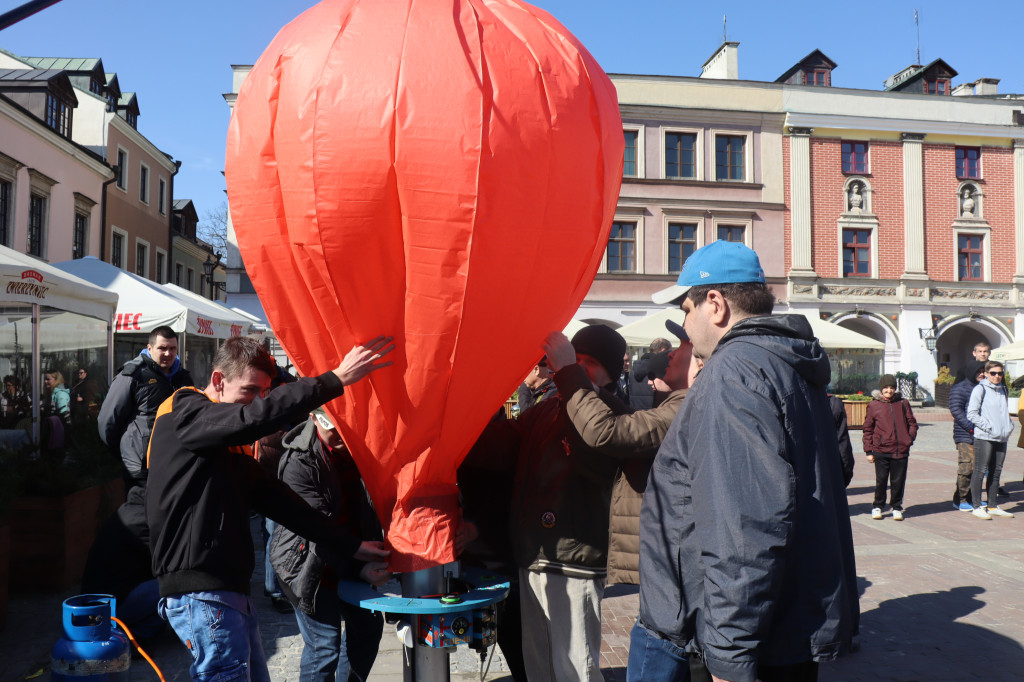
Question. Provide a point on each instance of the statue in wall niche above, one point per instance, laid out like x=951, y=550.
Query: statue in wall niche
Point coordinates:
x=856, y=198
x=968, y=203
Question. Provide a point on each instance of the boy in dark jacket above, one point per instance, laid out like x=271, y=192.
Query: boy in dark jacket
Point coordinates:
x=316, y=465
x=963, y=433
x=889, y=431
x=202, y=483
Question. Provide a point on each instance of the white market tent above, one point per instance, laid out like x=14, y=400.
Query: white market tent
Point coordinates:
x=238, y=324
x=1009, y=353
x=831, y=336
x=834, y=336
x=573, y=327
x=144, y=305
x=646, y=329
x=27, y=281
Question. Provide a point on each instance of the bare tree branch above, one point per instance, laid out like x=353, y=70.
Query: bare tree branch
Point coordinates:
x=213, y=228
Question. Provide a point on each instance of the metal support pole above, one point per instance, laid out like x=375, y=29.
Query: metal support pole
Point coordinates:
x=427, y=664
x=37, y=373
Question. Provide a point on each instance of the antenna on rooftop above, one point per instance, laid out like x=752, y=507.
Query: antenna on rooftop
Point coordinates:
x=725, y=38
x=917, y=23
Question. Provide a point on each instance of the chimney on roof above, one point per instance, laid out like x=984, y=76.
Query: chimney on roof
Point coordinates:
x=982, y=86
x=724, y=63
x=986, y=86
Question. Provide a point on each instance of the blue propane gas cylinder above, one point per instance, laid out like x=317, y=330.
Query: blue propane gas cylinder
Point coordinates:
x=92, y=647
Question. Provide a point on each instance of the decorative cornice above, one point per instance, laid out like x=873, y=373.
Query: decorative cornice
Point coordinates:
x=857, y=290
x=972, y=294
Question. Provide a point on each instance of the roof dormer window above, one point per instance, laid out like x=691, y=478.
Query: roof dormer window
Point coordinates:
x=58, y=115
x=819, y=77
x=936, y=86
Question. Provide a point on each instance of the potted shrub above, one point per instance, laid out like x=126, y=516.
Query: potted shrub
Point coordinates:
x=1013, y=388
x=943, y=383
x=856, y=406
x=64, y=498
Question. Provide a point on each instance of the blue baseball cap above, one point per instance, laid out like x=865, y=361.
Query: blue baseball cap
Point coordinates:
x=720, y=262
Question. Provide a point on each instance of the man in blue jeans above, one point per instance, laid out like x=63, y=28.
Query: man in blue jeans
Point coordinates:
x=746, y=551
x=203, y=481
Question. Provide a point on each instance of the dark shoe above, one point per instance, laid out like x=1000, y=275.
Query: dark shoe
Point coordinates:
x=281, y=604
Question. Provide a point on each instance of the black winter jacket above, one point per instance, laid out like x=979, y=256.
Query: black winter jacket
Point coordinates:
x=203, y=483
x=746, y=550
x=129, y=410
x=330, y=484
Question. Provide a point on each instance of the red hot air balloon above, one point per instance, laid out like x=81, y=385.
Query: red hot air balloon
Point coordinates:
x=445, y=171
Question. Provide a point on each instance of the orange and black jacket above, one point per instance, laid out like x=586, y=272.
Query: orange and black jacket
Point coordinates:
x=203, y=482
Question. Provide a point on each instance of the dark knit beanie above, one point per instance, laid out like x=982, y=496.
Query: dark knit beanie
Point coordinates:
x=887, y=380
x=657, y=364
x=604, y=344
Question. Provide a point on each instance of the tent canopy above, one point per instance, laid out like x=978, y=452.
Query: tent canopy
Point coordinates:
x=1009, y=353
x=24, y=279
x=144, y=305
x=831, y=336
x=646, y=329
x=240, y=324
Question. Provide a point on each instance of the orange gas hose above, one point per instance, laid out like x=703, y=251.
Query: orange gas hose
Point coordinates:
x=131, y=639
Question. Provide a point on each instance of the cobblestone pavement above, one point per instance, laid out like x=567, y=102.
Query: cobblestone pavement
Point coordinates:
x=941, y=593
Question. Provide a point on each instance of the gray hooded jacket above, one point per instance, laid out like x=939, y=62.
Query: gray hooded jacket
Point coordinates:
x=746, y=551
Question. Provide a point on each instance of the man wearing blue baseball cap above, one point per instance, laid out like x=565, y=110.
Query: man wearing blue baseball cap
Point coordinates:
x=746, y=551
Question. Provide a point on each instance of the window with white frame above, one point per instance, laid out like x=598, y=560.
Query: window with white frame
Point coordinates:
x=162, y=205
x=971, y=257
x=161, y=266
x=622, y=247
x=144, y=183
x=681, y=155
x=682, y=242
x=6, y=211
x=118, y=240
x=122, y=168
x=179, y=275
x=141, y=257
x=80, y=235
x=191, y=279
x=629, y=157
x=38, y=210
x=730, y=157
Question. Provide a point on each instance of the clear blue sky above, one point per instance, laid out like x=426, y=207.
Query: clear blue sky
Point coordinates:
x=177, y=55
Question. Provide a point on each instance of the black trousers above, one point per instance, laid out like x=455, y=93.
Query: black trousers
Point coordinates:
x=894, y=473
x=798, y=672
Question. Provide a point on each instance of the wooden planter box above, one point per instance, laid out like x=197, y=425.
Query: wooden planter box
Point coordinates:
x=942, y=395
x=856, y=410
x=5, y=566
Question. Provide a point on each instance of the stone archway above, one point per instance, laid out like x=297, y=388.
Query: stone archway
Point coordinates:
x=877, y=327
x=956, y=340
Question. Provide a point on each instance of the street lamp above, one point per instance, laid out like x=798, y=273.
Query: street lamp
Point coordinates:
x=928, y=334
x=208, y=267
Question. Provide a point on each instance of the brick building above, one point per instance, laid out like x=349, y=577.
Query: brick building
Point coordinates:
x=898, y=213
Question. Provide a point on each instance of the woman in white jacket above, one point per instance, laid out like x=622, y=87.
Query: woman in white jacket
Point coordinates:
x=988, y=410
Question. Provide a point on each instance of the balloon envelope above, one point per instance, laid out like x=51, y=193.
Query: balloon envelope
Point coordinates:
x=445, y=171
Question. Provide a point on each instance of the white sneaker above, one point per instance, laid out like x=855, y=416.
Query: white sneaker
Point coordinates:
x=981, y=513
x=897, y=514
x=876, y=513
x=996, y=511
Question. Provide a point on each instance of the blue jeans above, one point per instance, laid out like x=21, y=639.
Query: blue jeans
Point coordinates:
x=988, y=454
x=221, y=632
x=328, y=652
x=655, y=658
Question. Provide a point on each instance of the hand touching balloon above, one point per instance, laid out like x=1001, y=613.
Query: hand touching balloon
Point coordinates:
x=362, y=360
x=559, y=350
